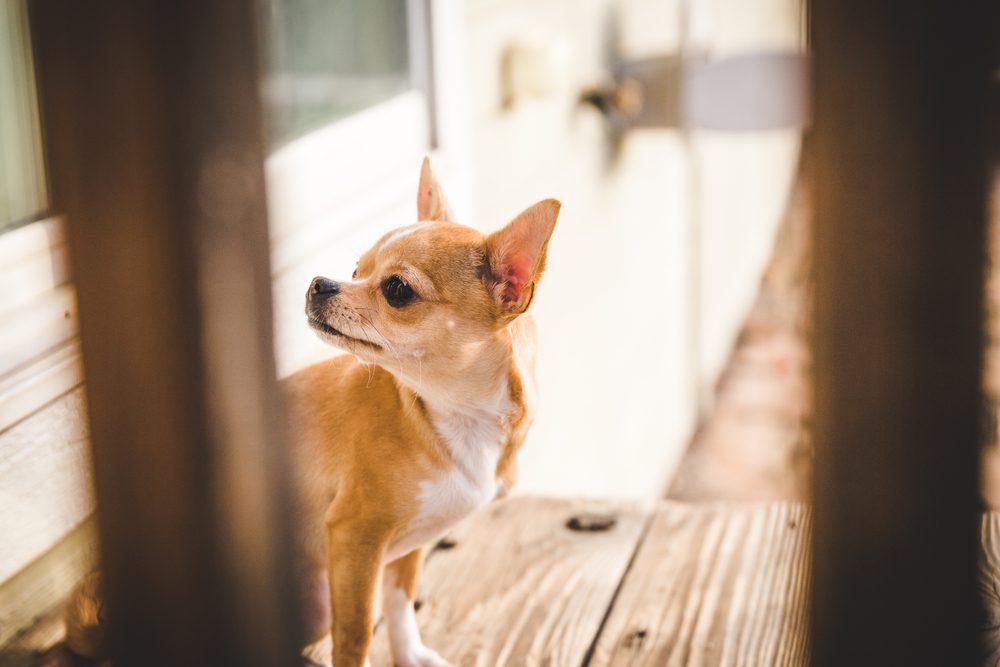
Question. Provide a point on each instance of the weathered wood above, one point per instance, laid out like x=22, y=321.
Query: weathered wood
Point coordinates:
x=46, y=582
x=31, y=330
x=43, y=638
x=710, y=585
x=713, y=585
x=154, y=125
x=900, y=127
x=519, y=587
x=25, y=391
x=33, y=261
x=44, y=483
x=989, y=586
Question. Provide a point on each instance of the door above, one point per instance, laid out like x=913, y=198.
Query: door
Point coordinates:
x=662, y=236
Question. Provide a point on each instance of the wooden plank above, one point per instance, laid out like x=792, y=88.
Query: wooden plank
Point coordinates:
x=989, y=586
x=45, y=481
x=33, y=260
x=34, y=646
x=519, y=587
x=32, y=330
x=153, y=120
x=900, y=94
x=39, y=238
x=713, y=585
x=45, y=583
x=29, y=388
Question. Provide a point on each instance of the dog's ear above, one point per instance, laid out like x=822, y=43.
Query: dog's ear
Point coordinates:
x=516, y=256
x=431, y=204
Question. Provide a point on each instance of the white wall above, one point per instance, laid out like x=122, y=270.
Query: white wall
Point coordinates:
x=622, y=340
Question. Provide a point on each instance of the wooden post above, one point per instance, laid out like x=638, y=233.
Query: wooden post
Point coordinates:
x=900, y=192
x=153, y=120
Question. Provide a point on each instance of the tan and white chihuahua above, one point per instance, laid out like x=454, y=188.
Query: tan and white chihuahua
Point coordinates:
x=420, y=424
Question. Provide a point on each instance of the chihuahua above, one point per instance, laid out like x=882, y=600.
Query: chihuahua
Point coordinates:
x=420, y=424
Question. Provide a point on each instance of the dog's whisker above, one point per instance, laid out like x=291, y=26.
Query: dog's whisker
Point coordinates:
x=388, y=344
x=420, y=380
x=370, y=365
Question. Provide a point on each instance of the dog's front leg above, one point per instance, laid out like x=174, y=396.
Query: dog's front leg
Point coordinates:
x=356, y=552
x=399, y=588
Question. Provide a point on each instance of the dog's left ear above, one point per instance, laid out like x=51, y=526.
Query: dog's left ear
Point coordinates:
x=516, y=256
x=431, y=204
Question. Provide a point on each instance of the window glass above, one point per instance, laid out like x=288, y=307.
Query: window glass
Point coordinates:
x=332, y=58
x=22, y=175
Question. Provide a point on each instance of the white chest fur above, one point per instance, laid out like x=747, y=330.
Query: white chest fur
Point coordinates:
x=473, y=439
x=474, y=442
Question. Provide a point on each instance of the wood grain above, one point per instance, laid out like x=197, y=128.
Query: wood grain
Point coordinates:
x=29, y=647
x=900, y=143
x=34, y=328
x=33, y=262
x=710, y=585
x=519, y=587
x=45, y=481
x=989, y=586
x=713, y=585
x=25, y=391
x=170, y=257
x=45, y=583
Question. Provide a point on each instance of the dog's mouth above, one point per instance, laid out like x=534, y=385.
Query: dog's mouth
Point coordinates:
x=320, y=325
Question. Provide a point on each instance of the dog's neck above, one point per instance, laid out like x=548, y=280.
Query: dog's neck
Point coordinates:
x=470, y=383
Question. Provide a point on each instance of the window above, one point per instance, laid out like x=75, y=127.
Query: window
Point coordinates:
x=22, y=176
x=346, y=91
x=333, y=58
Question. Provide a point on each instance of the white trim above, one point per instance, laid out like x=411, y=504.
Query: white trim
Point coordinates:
x=421, y=54
x=310, y=177
x=30, y=239
x=453, y=119
x=25, y=391
x=32, y=261
x=46, y=480
x=37, y=327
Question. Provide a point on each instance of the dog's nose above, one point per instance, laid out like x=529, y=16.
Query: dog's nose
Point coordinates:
x=324, y=287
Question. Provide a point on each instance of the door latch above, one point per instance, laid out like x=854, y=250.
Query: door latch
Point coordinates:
x=755, y=91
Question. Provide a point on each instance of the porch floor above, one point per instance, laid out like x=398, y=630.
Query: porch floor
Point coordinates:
x=543, y=581
x=546, y=581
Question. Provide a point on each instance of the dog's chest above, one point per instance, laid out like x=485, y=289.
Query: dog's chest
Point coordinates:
x=470, y=482
x=467, y=484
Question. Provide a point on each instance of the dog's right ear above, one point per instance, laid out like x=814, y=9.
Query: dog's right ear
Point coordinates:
x=431, y=204
x=516, y=257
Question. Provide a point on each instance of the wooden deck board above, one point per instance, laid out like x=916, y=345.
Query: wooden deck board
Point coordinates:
x=520, y=588
x=713, y=585
x=989, y=578
x=699, y=585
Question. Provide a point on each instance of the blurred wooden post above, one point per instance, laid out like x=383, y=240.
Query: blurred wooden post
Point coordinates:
x=153, y=120
x=900, y=194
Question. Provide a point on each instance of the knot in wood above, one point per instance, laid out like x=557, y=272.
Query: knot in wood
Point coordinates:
x=592, y=523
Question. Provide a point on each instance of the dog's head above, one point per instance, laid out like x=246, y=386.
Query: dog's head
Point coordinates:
x=429, y=290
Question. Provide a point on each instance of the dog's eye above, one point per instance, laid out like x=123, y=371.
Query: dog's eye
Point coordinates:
x=397, y=292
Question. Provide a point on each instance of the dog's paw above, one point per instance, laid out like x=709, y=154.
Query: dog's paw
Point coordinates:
x=421, y=656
